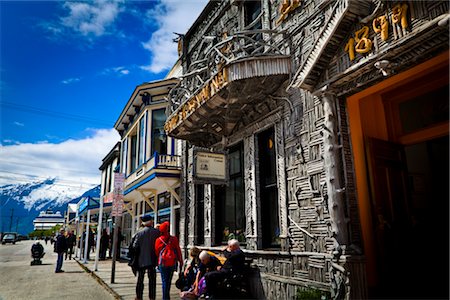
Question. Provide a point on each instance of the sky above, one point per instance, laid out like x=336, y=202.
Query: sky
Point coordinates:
x=67, y=69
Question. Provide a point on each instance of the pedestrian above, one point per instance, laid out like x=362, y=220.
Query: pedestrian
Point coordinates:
x=144, y=249
x=104, y=242
x=46, y=240
x=60, y=248
x=71, y=240
x=120, y=238
x=90, y=242
x=168, y=251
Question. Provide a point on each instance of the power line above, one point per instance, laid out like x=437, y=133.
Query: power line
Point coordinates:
x=51, y=113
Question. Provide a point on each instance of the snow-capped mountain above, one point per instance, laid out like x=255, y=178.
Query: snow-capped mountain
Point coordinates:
x=24, y=201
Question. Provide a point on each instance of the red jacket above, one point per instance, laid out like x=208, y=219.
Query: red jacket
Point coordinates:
x=159, y=245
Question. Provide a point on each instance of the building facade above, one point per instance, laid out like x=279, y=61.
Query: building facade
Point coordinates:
x=333, y=118
x=148, y=159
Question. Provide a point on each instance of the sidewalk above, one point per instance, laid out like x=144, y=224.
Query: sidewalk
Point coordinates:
x=124, y=286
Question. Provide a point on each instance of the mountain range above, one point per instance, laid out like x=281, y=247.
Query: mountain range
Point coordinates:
x=21, y=203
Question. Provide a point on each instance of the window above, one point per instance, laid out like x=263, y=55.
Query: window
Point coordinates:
x=159, y=138
x=141, y=157
x=133, y=150
x=163, y=200
x=124, y=155
x=147, y=207
x=268, y=190
x=230, y=201
x=252, y=9
x=109, y=174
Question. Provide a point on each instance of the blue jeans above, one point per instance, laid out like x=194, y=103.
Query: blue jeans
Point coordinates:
x=166, y=278
x=59, y=262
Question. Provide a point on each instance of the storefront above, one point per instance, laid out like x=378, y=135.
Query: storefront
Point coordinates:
x=149, y=159
x=294, y=93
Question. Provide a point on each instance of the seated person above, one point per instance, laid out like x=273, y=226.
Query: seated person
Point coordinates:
x=233, y=265
x=208, y=263
x=192, y=267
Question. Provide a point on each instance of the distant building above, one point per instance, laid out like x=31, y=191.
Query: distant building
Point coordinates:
x=48, y=219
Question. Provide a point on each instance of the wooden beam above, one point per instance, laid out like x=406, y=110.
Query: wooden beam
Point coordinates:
x=171, y=190
x=147, y=200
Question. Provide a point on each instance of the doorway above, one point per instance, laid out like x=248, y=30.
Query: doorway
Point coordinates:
x=400, y=142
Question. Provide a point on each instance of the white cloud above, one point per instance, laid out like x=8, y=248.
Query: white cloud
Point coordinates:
x=72, y=161
x=91, y=18
x=120, y=71
x=70, y=80
x=19, y=124
x=170, y=16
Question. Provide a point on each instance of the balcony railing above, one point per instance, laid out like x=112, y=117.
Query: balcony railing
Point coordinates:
x=157, y=161
x=239, y=46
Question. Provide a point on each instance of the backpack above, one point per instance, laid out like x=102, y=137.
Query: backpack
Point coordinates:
x=167, y=256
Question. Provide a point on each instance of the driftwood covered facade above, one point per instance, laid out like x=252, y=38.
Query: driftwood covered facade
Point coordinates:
x=299, y=95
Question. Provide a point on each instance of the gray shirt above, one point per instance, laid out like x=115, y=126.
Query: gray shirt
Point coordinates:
x=145, y=242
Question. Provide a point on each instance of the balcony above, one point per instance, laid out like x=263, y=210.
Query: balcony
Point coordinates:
x=232, y=85
x=158, y=164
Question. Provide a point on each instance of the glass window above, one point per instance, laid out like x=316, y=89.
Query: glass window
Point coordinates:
x=141, y=140
x=159, y=138
x=147, y=207
x=268, y=190
x=109, y=174
x=133, y=150
x=124, y=155
x=230, y=201
x=163, y=200
x=252, y=10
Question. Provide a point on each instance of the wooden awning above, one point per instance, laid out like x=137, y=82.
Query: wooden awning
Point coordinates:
x=238, y=94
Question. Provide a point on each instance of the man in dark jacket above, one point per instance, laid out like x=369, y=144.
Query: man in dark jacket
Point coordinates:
x=60, y=248
x=144, y=245
x=70, y=240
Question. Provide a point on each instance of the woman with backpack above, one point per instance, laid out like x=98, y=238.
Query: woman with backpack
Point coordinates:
x=168, y=251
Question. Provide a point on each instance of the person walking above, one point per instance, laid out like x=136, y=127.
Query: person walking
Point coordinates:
x=144, y=246
x=104, y=243
x=60, y=248
x=168, y=251
x=70, y=240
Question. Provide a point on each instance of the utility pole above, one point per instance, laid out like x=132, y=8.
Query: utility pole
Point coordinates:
x=10, y=221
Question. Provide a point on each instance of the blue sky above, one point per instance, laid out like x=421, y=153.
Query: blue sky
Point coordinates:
x=68, y=68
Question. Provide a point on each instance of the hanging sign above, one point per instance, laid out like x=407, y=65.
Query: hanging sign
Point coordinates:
x=117, y=205
x=210, y=167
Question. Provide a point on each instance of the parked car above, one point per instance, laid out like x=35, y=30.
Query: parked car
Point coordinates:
x=9, y=238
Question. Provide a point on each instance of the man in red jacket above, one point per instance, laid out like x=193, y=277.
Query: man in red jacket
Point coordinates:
x=168, y=251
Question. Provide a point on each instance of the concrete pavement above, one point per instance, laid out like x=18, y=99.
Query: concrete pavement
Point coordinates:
x=124, y=286
x=19, y=280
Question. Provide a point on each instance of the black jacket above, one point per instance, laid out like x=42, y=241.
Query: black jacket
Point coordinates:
x=60, y=244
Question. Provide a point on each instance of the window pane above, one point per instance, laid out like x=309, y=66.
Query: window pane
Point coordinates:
x=124, y=155
x=159, y=138
x=133, y=161
x=235, y=162
x=141, y=140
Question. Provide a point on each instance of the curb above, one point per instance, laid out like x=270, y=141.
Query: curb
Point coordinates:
x=99, y=280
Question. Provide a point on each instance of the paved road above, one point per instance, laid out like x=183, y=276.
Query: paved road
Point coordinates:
x=19, y=280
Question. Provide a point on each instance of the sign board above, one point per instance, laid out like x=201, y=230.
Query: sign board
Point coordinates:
x=117, y=205
x=210, y=167
x=83, y=205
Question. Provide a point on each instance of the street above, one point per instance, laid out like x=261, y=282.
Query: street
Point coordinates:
x=19, y=280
